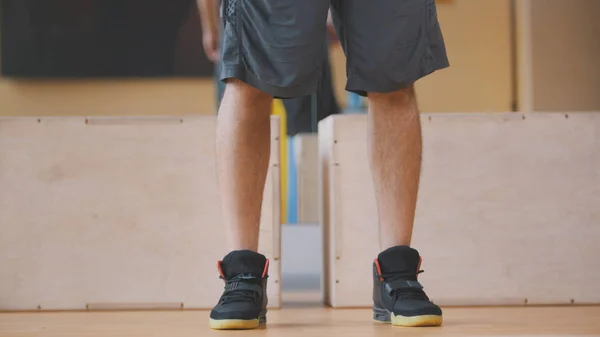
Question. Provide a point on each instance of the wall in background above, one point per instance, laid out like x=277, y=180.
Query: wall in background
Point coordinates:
x=135, y=97
x=553, y=75
x=478, y=40
x=106, y=97
x=565, y=55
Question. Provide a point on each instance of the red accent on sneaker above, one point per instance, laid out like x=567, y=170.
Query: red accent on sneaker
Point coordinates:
x=266, y=269
x=378, y=270
x=220, y=268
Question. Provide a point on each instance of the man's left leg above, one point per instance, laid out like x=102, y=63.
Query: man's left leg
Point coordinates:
x=394, y=132
x=390, y=45
x=395, y=151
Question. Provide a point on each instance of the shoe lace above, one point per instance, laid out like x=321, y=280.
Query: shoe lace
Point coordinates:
x=239, y=295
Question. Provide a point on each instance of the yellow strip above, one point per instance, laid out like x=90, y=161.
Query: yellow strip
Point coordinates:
x=279, y=110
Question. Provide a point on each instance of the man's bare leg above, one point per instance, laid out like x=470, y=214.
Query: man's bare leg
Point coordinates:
x=395, y=147
x=243, y=148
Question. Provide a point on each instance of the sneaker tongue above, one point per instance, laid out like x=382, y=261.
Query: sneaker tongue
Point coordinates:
x=243, y=262
x=399, y=262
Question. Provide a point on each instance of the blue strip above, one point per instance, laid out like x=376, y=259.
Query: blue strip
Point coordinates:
x=292, y=184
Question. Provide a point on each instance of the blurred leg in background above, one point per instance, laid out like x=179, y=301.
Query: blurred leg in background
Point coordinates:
x=299, y=111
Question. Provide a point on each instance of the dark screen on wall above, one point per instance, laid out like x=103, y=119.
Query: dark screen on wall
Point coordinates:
x=101, y=38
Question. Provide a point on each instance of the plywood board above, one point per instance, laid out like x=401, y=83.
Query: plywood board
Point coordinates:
x=508, y=212
x=306, y=149
x=327, y=214
x=104, y=213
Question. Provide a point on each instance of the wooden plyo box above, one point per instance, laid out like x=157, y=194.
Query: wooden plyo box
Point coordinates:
x=508, y=210
x=118, y=213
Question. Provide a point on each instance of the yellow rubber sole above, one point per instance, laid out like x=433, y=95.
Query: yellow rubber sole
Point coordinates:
x=417, y=321
x=234, y=324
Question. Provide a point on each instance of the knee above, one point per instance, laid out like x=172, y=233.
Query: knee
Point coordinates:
x=245, y=93
x=400, y=98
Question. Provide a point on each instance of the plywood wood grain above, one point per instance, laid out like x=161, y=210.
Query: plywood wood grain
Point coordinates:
x=117, y=213
x=307, y=162
x=508, y=212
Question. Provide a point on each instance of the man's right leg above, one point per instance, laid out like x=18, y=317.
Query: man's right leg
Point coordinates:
x=243, y=148
x=271, y=48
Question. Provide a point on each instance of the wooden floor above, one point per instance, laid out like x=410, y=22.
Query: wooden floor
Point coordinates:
x=307, y=321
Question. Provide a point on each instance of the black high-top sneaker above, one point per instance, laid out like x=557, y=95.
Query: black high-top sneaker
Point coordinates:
x=243, y=304
x=398, y=297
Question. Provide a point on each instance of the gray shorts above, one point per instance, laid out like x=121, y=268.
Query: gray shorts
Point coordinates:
x=277, y=45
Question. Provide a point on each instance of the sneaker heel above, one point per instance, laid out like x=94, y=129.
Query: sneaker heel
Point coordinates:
x=382, y=315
